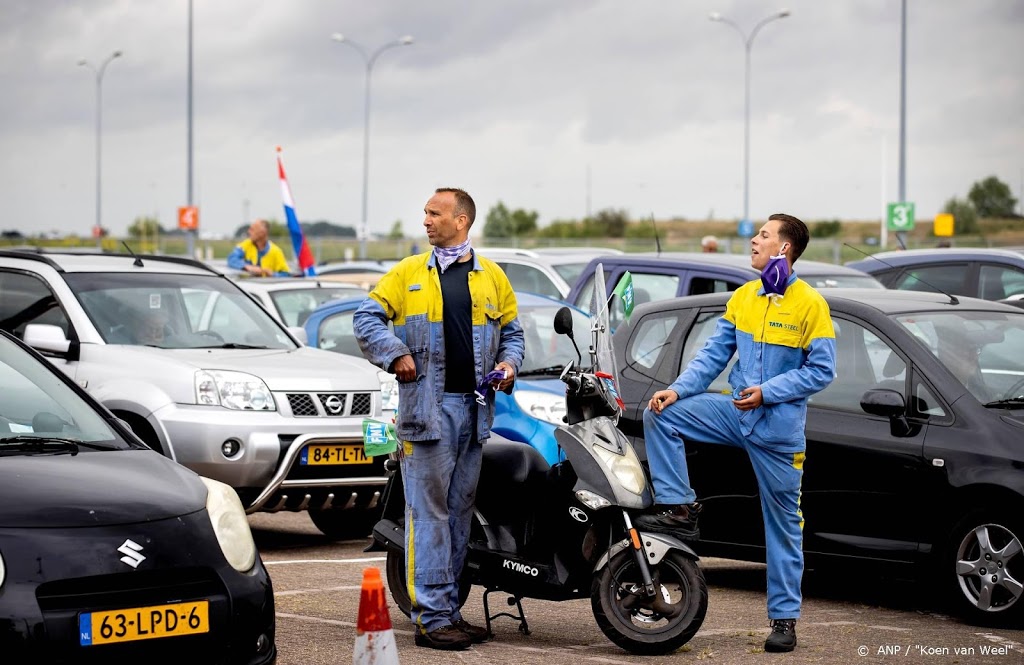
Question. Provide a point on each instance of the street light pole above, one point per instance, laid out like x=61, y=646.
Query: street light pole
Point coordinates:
x=368, y=60
x=99, y=139
x=748, y=42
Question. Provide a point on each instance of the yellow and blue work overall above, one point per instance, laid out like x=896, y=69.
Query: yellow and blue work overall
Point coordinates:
x=247, y=253
x=442, y=433
x=786, y=345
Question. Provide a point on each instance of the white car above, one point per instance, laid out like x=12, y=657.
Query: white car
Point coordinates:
x=206, y=376
x=549, y=272
x=291, y=299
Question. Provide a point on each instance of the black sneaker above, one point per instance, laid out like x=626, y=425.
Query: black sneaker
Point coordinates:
x=678, y=520
x=446, y=638
x=476, y=633
x=782, y=637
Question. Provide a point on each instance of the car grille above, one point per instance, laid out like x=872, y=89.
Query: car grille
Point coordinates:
x=330, y=405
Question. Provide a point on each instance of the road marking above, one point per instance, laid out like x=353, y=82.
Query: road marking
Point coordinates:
x=295, y=592
x=1002, y=641
x=367, y=560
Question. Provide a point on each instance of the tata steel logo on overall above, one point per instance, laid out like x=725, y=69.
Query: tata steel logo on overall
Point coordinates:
x=333, y=404
x=784, y=326
x=520, y=567
x=132, y=552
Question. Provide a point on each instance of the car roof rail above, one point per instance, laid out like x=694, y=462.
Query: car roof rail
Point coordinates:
x=35, y=253
x=32, y=254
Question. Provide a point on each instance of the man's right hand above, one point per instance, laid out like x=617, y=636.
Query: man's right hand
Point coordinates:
x=405, y=368
x=661, y=399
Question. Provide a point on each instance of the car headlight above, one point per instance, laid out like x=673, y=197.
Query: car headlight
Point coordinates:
x=626, y=468
x=541, y=405
x=233, y=390
x=3, y=571
x=388, y=391
x=230, y=524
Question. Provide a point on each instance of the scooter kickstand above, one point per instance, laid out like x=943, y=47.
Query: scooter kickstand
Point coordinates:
x=524, y=627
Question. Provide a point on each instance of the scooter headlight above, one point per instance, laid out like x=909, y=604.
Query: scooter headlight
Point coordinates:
x=625, y=467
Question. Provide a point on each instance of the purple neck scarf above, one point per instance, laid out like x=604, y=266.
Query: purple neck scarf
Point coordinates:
x=448, y=255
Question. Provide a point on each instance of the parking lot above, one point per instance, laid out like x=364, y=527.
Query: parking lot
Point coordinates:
x=846, y=619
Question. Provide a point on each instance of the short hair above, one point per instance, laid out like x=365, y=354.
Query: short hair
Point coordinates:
x=793, y=231
x=708, y=240
x=464, y=204
x=264, y=223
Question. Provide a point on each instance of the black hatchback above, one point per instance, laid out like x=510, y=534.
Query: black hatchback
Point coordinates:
x=110, y=552
x=915, y=453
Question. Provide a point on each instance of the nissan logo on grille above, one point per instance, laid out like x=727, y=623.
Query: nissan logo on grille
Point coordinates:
x=333, y=404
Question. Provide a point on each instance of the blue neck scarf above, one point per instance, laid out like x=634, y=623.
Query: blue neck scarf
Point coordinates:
x=446, y=256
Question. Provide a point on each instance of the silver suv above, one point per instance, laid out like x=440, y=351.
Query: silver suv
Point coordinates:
x=204, y=375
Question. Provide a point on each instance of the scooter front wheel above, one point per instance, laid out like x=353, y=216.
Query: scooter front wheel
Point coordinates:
x=398, y=583
x=650, y=625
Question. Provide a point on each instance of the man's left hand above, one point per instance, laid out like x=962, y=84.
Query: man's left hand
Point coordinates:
x=510, y=376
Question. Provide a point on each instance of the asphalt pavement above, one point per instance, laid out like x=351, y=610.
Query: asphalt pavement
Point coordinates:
x=852, y=619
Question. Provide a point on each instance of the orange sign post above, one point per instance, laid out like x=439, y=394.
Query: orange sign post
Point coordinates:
x=188, y=218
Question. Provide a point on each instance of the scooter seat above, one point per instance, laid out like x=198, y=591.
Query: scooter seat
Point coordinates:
x=512, y=461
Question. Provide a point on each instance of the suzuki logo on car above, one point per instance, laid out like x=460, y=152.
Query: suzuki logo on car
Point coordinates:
x=333, y=404
x=132, y=552
x=578, y=514
x=519, y=567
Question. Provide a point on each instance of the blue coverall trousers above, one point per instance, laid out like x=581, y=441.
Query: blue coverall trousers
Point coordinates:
x=712, y=418
x=440, y=480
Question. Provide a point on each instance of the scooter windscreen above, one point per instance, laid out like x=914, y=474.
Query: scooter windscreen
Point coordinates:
x=601, y=344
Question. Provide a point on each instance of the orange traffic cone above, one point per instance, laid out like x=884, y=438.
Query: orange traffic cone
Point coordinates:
x=375, y=640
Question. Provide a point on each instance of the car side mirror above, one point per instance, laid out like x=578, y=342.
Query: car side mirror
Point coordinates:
x=49, y=338
x=889, y=404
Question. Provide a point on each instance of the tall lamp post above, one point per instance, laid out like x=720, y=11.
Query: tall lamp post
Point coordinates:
x=99, y=139
x=369, y=59
x=748, y=42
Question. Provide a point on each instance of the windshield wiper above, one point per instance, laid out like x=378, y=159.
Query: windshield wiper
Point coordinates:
x=232, y=345
x=1007, y=403
x=542, y=371
x=29, y=442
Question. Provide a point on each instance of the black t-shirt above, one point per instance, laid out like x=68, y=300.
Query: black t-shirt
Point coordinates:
x=457, y=310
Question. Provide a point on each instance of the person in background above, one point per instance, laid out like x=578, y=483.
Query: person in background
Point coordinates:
x=709, y=244
x=781, y=329
x=258, y=256
x=455, y=321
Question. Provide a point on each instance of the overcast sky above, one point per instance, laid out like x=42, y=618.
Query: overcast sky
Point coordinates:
x=513, y=100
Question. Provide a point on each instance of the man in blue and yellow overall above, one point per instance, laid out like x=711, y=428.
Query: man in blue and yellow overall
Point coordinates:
x=258, y=255
x=455, y=320
x=782, y=331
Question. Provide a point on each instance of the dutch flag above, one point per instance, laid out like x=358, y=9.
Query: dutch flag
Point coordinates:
x=305, y=257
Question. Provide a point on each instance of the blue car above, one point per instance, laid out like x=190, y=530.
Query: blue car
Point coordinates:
x=537, y=403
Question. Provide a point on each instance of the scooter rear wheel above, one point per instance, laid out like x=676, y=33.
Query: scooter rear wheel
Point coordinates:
x=650, y=626
x=397, y=583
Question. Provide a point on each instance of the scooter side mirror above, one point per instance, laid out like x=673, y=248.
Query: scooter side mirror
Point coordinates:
x=563, y=322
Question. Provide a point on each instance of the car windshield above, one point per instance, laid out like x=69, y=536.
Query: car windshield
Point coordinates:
x=37, y=404
x=842, y=281
x=544, y=347
x=295, y=305
x=984, y=350
x=570, y=272
x=175, y=311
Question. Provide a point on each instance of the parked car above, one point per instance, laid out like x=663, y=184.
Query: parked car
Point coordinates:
x=352, y=267
x=537, y=402
x=290, y=300
x=222, y=388
x=549, y=274
x=991, y=274
x=109, y=552
x=656, y=277
x=914, y=456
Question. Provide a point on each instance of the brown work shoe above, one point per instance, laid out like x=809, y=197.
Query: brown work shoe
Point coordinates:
x=476, y=633
x=445, y=638
x=680, y=520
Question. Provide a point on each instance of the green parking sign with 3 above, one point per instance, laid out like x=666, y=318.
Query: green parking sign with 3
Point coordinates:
x=901, y=216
